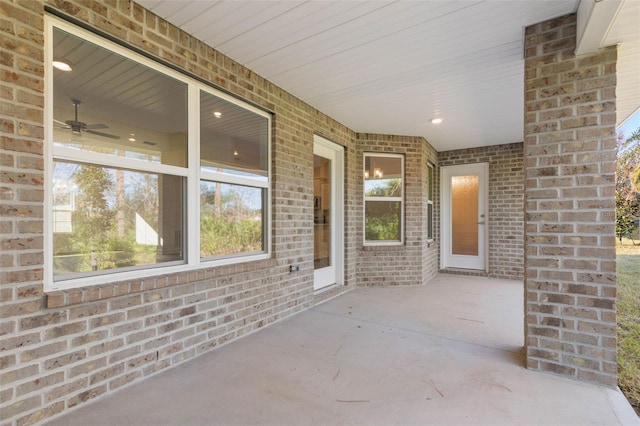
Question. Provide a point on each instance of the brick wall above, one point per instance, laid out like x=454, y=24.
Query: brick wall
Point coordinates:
x=407, y=264
x=506, y=221
x=69, y=347
x=65, y=348
x=569, y=194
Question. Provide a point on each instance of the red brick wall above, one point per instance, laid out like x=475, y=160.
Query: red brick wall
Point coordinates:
x=569, y=146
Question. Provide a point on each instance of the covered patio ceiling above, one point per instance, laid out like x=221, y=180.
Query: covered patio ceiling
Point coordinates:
x=391, y=66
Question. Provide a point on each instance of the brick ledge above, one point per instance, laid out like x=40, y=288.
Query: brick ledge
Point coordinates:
x=75, y=296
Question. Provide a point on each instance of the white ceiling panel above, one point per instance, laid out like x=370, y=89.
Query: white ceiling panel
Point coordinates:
x=390, y=66
x=307, y=37
x=626, y=33
x=232, y=18
x=166, y=9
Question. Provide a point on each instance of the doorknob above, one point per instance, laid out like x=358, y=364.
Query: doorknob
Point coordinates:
x=481, y=223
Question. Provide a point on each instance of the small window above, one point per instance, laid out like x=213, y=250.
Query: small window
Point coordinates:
x=234, y=173
x=430, y=194
x=383, y=199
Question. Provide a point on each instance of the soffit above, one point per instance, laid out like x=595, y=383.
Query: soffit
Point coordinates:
x=389, y=67
x=626, y=33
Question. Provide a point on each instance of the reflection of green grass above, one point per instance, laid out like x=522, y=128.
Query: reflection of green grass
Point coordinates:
x=628, y=305
x=138, y=255
x=222, y=237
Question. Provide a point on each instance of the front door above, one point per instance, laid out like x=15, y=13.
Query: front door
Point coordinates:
x=328, y=240
x=464, y=221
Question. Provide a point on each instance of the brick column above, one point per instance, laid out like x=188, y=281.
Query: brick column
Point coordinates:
x=570, y=141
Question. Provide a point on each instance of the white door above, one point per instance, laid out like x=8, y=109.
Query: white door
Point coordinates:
x=328, y=206
x=464, y=223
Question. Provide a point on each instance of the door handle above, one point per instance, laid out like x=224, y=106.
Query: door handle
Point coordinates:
x=481, y=223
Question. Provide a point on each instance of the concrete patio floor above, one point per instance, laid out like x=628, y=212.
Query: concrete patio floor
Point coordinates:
x=449, y=353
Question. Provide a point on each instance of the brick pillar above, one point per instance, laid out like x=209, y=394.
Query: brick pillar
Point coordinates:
x=570, y=142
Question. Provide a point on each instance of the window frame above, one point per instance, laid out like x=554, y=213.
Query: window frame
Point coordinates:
x=401, y=199
x=225, y=178
x=191, y=174
x=430, y=196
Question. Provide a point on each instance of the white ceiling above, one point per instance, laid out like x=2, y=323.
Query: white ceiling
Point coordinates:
x=391, y=66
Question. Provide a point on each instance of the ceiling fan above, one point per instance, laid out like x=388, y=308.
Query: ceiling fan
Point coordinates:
x=78, y=127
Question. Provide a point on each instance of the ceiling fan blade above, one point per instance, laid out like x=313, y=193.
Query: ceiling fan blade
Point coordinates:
x=96, y=126
x=104, y=135
x=78, y=126
x=62, y=123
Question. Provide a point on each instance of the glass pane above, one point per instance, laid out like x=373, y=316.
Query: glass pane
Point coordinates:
x=107, y=218
x=321, y=212
x=233, y=140
x=430, y=221
x=382, y=176
x=382, y=220
x=110, y=104
x=464, y=215
x=231, y=219
x=430, y=183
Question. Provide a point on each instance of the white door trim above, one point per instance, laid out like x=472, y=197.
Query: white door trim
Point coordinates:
x=447, y=259
x=333, y=274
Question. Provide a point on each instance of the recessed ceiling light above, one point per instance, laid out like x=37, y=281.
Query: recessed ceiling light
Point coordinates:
x=217, y=114
x=61, y=65
x=436, y=120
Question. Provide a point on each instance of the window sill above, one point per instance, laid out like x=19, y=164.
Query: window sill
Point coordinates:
x=385, y=247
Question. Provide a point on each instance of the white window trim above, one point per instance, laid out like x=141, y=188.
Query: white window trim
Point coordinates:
x=430, y=193
x=401, y=198
x=90, y=157
x=192, y=173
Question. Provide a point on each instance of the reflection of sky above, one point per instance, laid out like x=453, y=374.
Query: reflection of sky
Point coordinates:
x=251, y=198
x=379, y=186
x=373, y=185
x=258, y=175
x=64, y=173
x=630, y=125
x=134, y=155
x=64, y=179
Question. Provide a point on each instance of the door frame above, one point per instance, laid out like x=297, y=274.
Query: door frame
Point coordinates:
x=447, y=259
x=333, y=275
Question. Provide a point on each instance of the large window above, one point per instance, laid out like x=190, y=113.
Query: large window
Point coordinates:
x=130, y=146
x=383, y=199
